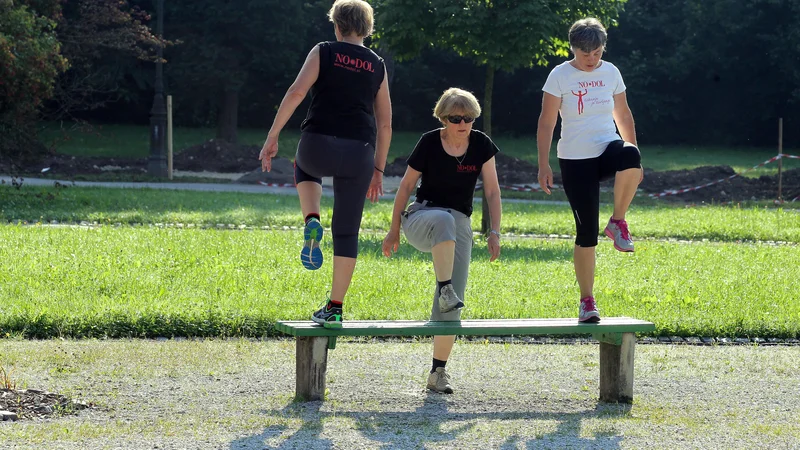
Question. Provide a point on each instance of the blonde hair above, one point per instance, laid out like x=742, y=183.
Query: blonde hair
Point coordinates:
x=456, y=99
x=352, y=17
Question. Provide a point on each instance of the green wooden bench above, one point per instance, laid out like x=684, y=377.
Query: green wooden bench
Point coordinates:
x=615, y=334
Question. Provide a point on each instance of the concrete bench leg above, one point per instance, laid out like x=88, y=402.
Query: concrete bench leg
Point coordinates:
x=616, y=367
x=311, y=368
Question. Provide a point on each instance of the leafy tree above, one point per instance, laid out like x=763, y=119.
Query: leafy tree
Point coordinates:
x=711, y=72
x=30, y=60
x=228, y=48
x=497, y=34
x=102, y=39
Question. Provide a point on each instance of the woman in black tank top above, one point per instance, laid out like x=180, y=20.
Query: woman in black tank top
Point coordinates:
x=346, y=136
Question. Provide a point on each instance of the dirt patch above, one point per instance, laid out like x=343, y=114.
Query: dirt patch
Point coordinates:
x=220, y=156
x=35, y=404
x=732, y=188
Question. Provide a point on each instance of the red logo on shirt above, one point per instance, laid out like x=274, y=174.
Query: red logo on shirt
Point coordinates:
x=580, y=95
x=354, y=64
x=584, y=85
x=466, y=168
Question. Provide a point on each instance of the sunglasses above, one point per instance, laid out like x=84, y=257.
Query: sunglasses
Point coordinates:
x=458, y=119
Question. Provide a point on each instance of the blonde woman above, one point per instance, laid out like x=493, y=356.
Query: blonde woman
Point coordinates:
x=447, y=162
x=345, y=135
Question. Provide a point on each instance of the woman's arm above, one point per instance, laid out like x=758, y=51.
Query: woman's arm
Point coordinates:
x=544, y=138
x=383, y=122
x=491, y=188
x=407, y=185
x=294, y=96
x=297, y=91
x=623, y=117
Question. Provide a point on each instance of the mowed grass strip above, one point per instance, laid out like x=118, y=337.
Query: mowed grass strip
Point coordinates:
x=148, y=282
x=149, y=206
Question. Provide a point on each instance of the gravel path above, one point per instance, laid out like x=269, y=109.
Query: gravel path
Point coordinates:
x=237, y=394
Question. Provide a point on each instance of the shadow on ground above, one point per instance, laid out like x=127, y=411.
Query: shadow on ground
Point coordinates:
x=433, y=423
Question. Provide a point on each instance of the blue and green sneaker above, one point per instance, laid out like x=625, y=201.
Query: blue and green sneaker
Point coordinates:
x=311, y=254
x=328, y=316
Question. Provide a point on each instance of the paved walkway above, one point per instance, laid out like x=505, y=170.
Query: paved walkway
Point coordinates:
x=389, y=183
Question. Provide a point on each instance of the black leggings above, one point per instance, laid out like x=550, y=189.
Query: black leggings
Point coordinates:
x=581, y=179
x=350, y=163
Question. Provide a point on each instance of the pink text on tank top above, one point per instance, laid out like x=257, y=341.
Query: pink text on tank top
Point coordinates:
x=353, y=63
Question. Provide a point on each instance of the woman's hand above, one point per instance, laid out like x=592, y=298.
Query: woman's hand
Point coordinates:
x=493, y=245
x=375, y=187
x=391, y=243
x=268, y=151
x=545, y=178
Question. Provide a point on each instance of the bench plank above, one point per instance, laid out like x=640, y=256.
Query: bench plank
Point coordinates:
x=488, y=327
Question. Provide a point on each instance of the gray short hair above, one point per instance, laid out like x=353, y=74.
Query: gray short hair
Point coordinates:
x=587, y=35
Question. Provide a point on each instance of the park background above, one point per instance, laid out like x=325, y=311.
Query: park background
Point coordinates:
x=86, y=269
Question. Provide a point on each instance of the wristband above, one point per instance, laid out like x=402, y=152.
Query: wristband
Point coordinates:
x=379, y=170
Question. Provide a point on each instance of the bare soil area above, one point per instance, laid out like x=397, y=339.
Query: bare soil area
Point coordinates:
x=222, y=157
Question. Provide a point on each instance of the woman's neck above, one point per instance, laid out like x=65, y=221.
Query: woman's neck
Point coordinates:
x=355, y=40
x=453, y=139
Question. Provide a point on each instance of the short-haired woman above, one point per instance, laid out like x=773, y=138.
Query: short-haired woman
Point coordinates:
x=590, y=95
x=447, y=162
x=349, y=95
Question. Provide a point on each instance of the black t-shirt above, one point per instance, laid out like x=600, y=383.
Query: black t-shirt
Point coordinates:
x=447, y=181
x=343, y=97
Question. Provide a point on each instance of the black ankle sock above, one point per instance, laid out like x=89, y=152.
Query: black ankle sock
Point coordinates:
x=312, y=216
x=437, y=363
x=334, y=304
x=443, y=283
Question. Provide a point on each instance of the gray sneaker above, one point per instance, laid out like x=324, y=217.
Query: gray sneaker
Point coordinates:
x=448, y=299
x=439, y=381
x=618, y=232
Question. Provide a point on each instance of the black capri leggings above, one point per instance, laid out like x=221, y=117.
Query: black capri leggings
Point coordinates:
x=581, y=179
x=350, y=163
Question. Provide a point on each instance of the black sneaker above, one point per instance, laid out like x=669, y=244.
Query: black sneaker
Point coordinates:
x=328, y=316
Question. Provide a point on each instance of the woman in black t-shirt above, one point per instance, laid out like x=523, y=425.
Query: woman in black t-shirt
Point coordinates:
x=346, y=136
x=447, y=162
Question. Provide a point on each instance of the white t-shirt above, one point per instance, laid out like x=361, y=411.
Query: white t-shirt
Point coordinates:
x=587, y=103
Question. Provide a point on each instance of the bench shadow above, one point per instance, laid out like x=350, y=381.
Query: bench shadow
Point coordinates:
x=387, y=428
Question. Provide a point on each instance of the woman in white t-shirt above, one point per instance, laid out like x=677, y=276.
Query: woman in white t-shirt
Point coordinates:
x=590, y=96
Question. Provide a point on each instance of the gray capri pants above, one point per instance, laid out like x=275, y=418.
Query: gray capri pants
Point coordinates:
x=425, y=227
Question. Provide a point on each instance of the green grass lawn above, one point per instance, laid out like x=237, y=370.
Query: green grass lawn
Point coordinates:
x=131, y=281
x=133, y=141
x=148, y=206
x=164, y=281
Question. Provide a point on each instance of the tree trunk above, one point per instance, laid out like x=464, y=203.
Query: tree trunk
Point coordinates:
x=487, y=128
x=227, y=121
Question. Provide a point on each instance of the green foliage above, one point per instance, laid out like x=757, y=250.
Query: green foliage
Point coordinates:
x=719, y=71
x=104, y=41
x=30, y=60
x=239, y=48
x=505, y=35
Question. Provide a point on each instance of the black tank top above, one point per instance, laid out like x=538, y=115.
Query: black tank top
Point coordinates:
x=343, y=97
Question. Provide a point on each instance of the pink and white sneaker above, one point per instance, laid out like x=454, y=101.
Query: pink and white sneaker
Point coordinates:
x=618, y=232
x=587, y=311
